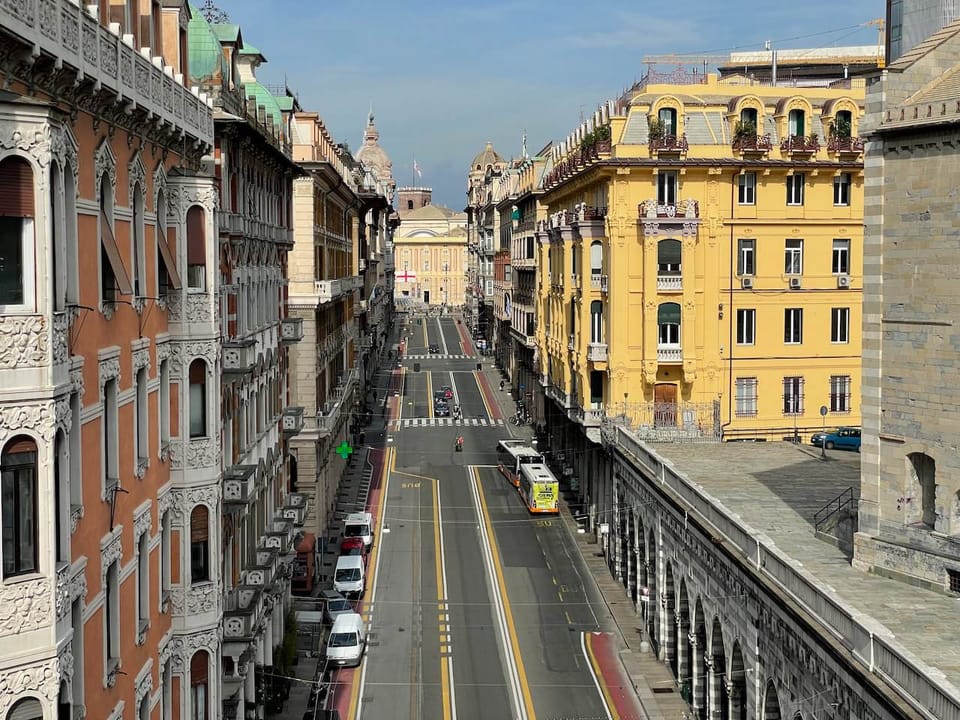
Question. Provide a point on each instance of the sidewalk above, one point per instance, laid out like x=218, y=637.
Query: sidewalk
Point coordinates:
x=652, y=680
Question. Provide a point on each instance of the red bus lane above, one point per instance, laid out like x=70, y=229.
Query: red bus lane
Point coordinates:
x=618, y=692
x=465, y=342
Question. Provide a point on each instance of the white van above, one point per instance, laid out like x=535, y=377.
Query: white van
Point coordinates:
x=348, y=577
x=347, y=641
x=359, y=524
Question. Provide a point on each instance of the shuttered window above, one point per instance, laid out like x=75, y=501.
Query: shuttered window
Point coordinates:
x=16, y=232
x=196, y=249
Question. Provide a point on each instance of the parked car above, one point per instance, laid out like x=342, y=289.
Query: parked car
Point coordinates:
x=353, y=546
x=845, y=438
x=347, y=641
x=334, y=605
x=434, y=348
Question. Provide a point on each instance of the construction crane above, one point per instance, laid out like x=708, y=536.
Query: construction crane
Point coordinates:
x=679, y=60
x=880, y=25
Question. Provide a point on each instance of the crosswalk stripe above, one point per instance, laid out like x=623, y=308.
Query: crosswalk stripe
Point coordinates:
x=437, y=356
x=447, y=422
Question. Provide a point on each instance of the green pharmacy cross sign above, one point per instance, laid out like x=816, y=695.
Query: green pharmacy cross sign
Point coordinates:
x=344, y=450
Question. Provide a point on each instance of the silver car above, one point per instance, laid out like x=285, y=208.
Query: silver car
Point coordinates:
x=334, y=605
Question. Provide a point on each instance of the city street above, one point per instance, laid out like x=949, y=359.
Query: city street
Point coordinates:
x=476, y=609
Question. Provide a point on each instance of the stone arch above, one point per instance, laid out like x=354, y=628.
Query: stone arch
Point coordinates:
x=771, y=702
x=922, y=478
x=653, y=612
x=699, y=668
x=632, y=553
x=719, y=695
x=685, y=646
x=795, y=104
x=668, y=102
x=26, y=708
x=738, y=684
x=670, y=624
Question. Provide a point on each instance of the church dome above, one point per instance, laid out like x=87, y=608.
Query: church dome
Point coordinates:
x=372, y=155
x=486, y=158
x=205, y=52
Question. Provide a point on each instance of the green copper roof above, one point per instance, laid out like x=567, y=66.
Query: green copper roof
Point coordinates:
x=256, y=90
x=285, y=102
x=248, y=49
x=226, y=32
x=204, y=50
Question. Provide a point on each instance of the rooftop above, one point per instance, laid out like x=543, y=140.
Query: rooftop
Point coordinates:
x=772, y=491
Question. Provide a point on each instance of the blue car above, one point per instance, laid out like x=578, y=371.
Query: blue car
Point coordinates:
x=844, y=438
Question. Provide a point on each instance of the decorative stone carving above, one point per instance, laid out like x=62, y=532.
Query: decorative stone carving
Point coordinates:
x=104, y=161
x=76, y=379
x=195, y=600
x=144, y=683
x=63, y=415
x=142, y=521
x=159, y=184
x=42, y=679
x=109, y=369
x=198, y=308
x=111, y=550
x=163, y=351
x=39, y=419
x=61, y=338
x=23, y=341
x=137, y=173
x=65, y=656
x=180, y=648
x=76, y=512
x=141, y=359
x=25, y=606
x=182, y=500
x=203, y=452
x=33, y=139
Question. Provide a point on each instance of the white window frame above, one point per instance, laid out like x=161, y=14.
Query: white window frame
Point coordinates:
x=746, y=326
x=840, y=258
x=28, y=271
x=668, y=187
x=747, y=188
x=842, y=185
x=841, y=387
x=746, y=401
x=840, y=326
x=110, y=434
x=794, y=384
x=141, y=404
x=111, y=599
x=793, y=256
x=143, y=583
x=795, y=189
x=746, y=248
x=166, y=558
x=793, y=326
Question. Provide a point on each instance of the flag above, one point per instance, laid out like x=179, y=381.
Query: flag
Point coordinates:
x=416, y=169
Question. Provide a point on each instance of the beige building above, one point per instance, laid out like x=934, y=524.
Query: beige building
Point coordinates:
x=910, y=490
x=430, y=252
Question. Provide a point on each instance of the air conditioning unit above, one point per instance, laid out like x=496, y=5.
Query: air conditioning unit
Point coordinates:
x=794, y=283
x=746, y=283
x=843, y=281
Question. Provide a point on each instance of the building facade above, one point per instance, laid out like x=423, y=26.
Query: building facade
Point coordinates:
x=482, y=234
x=910, y=22
x=108, y=197
x=429, y=253
x=909, y=508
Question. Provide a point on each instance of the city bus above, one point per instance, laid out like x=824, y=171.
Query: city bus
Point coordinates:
x=511, y=454
x=539, y=488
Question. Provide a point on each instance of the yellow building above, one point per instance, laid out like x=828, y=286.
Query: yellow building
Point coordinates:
x=430, y=252
x=701, y=262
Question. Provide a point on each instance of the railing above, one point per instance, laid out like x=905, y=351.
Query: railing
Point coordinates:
x=845, y=499
x=800, y=144
x=669, y=143
x=845, y=145
x=752, y=143
x=669, y=283
x=682, y=208
x=597, y=352
x=596, y=281
x=669, y=354
x=590, y=417
x=668, y=421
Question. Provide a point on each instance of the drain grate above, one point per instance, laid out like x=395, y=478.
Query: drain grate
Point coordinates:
x=663, y=691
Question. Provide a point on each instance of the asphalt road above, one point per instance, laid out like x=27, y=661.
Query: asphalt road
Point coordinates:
x=479, y=609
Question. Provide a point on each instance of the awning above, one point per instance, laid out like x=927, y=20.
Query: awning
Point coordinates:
x=113, y=255
x=169, y=261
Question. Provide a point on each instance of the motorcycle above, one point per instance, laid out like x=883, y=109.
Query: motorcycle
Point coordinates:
x=459, y=444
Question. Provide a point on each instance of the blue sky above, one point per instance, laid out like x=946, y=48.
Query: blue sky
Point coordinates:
x=446, y=76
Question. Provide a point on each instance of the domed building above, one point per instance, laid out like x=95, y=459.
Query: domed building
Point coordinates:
x=375, y=157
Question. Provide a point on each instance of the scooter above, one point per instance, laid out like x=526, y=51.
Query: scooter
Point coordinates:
x=459, y=444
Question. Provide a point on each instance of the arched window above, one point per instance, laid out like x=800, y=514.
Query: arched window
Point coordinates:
x=200, y=544
x=196, y=249
x=596, y=258
x=748, y=117
x=139, y=264
x=26, y=709
x=668, y=322
x=198, y=399
x=18, y=502
x=668, y=120
x=796, y=123
x=16, y=234
x=199, y=674
x=842, y=126
x=925, y=470
x=668, y=257
x=596, y=322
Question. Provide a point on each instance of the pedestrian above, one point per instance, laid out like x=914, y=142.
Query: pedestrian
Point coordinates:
x=501, y=385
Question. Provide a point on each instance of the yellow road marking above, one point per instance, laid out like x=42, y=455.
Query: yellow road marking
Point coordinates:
x=607, y=697
x=372, y=564
x=476, y=376
x=403, y=377
x=426, y=338
x=429, y=394
x=444, y=675
x=413, y=475
x=502, y=586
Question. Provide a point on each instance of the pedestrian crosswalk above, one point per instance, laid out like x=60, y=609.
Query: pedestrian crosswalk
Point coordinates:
x=445, y=421
x=436, y=356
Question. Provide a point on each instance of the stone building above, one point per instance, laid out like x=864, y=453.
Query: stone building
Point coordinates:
x=910, y=490
x=482, y=233
x=109, y=359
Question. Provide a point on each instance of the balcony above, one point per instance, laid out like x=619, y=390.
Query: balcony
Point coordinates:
x=597, y=352
x=652, y=209
x=230, y=223
x=670, y=283
x=575, y=281
x=668, y=144
x=329, y=290
x=752, y=144
x=295, y=509
x=291, y=330
x=669, y=354
x=590, y=417
x=800, y=145
x=263, y=573
x=239, y=356
x=242, y=612
x=279, y=535
x=292, y=420
x=240, y=484
x=845, y=145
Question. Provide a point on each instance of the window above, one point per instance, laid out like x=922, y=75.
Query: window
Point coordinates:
x=747, y=188
x=841, y=189
x=166, y=711
x=795, y=189
x=596, y=258
x=793, y=326
x=746, y=326
x=746, y=257
x=749, y=116
x=668, y=121
x=26, y=709
x=61, y=491
x=111, y=439
x=793, y=257
x=668, y=257
x=795, y=123
x=142, y=437
x=596, y=322
x=746, y=389
x=668, y=322
x=841, y=257
x=198, y=399
x=136, y=241
x=840, y=325
x=16, y=234
x=667, y=187
x=840, y=393
x=111, y=615
x=164, y=403
x=196, y=249
x=76, y=466
x=167, y=276
x=144, y=711
x=76, y=644
x=199, y=544
x=18, y=502
x=143, y=582
x=198, y=685
x=113, y=275
x=164, y=558
x=793, y=395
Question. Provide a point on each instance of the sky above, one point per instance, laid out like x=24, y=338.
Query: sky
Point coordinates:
x=445, y=76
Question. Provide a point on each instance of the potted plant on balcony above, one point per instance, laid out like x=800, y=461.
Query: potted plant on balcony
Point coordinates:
x=601, y=138
x=654, y=129
x=840, y=128
x=745, y=133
